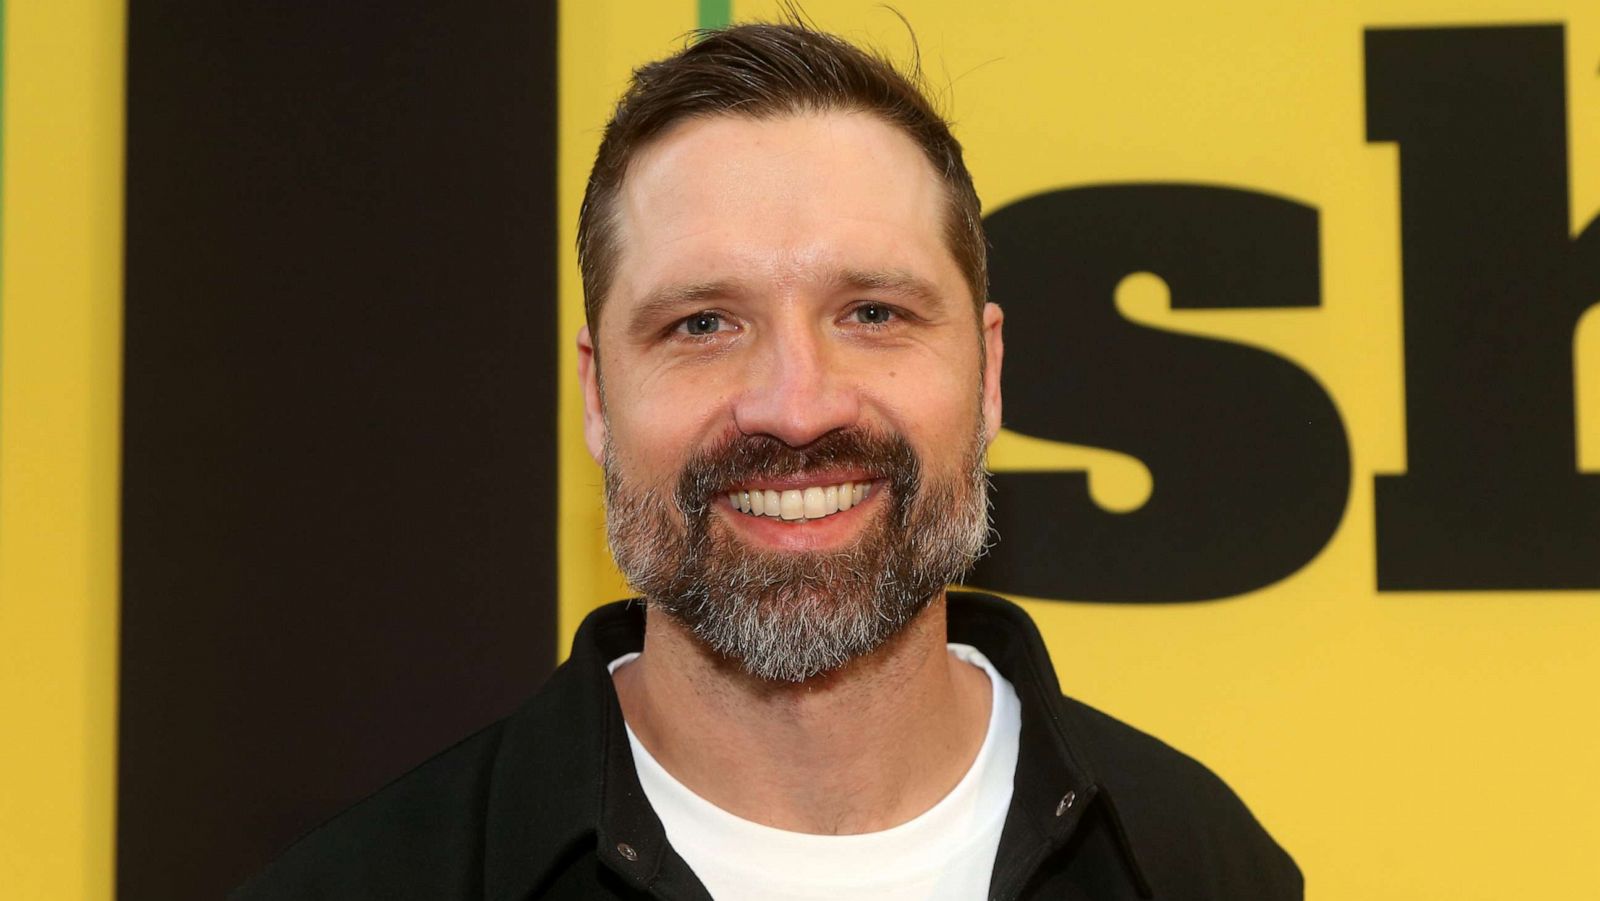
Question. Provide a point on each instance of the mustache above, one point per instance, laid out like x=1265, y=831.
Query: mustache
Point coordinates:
x=743, y=459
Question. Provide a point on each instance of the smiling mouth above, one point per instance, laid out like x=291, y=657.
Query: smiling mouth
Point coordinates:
x=800, y=504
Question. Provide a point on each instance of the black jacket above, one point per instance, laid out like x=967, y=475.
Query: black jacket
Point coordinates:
x=546, y=803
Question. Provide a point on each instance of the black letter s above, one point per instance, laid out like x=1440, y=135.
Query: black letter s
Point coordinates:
x=1249, y=457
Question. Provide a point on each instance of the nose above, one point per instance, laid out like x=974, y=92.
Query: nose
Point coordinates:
x=798, y=388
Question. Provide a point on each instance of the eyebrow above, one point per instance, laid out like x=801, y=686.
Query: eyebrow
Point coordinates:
x=896, y=282
x=671, y=300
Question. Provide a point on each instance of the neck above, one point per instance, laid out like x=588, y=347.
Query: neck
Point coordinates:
x=860, y=749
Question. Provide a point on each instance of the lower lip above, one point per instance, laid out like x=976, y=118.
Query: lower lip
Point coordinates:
x=827, y=533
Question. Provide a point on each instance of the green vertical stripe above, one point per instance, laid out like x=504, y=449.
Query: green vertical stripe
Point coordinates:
x=715, y=13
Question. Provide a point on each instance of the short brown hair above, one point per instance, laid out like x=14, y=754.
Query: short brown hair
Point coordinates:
x=759, y=71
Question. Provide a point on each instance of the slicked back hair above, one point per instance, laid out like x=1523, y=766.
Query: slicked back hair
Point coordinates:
x=762, y=71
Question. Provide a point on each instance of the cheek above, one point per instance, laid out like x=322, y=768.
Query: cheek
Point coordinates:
x=937, y=410
x=654, y=433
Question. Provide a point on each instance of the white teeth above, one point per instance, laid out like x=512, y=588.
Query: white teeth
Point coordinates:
x=814, y=506
x=799, y=505
x=794, y=505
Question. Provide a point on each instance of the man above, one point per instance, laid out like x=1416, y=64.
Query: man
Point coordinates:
x=790, y=373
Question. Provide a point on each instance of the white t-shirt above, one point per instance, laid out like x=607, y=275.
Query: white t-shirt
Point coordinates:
x=945, y=852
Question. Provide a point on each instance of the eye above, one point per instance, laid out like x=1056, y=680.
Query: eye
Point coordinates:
x=874, y=314
x=702, y=323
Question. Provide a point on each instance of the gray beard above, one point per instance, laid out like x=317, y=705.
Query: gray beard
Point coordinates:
x=792, y=616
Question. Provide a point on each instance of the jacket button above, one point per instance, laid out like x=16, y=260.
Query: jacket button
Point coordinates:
x=626, y=850
x=1067, y=801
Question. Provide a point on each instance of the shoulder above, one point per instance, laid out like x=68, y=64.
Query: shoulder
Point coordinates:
x=1192, y=837
x=1192, y=834
x=418, y=837
x=503, y=808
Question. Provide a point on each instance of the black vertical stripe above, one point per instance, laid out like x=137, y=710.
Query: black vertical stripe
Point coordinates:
x=339, y=462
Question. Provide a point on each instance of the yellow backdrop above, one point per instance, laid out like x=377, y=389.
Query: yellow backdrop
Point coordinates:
x=1402, y=745
x=60, y=390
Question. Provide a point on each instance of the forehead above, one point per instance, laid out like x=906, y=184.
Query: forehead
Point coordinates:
x=779, y=202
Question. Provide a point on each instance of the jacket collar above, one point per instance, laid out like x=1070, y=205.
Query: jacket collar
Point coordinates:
x=564, y=782
x=1056, y=787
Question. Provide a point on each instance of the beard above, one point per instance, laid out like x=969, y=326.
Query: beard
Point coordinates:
x=790, y=616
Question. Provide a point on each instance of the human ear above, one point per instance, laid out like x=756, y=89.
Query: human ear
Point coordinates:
x=994, y=351
x=594, y=419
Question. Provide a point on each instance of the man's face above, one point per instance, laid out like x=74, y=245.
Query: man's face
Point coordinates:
x=788, y=329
